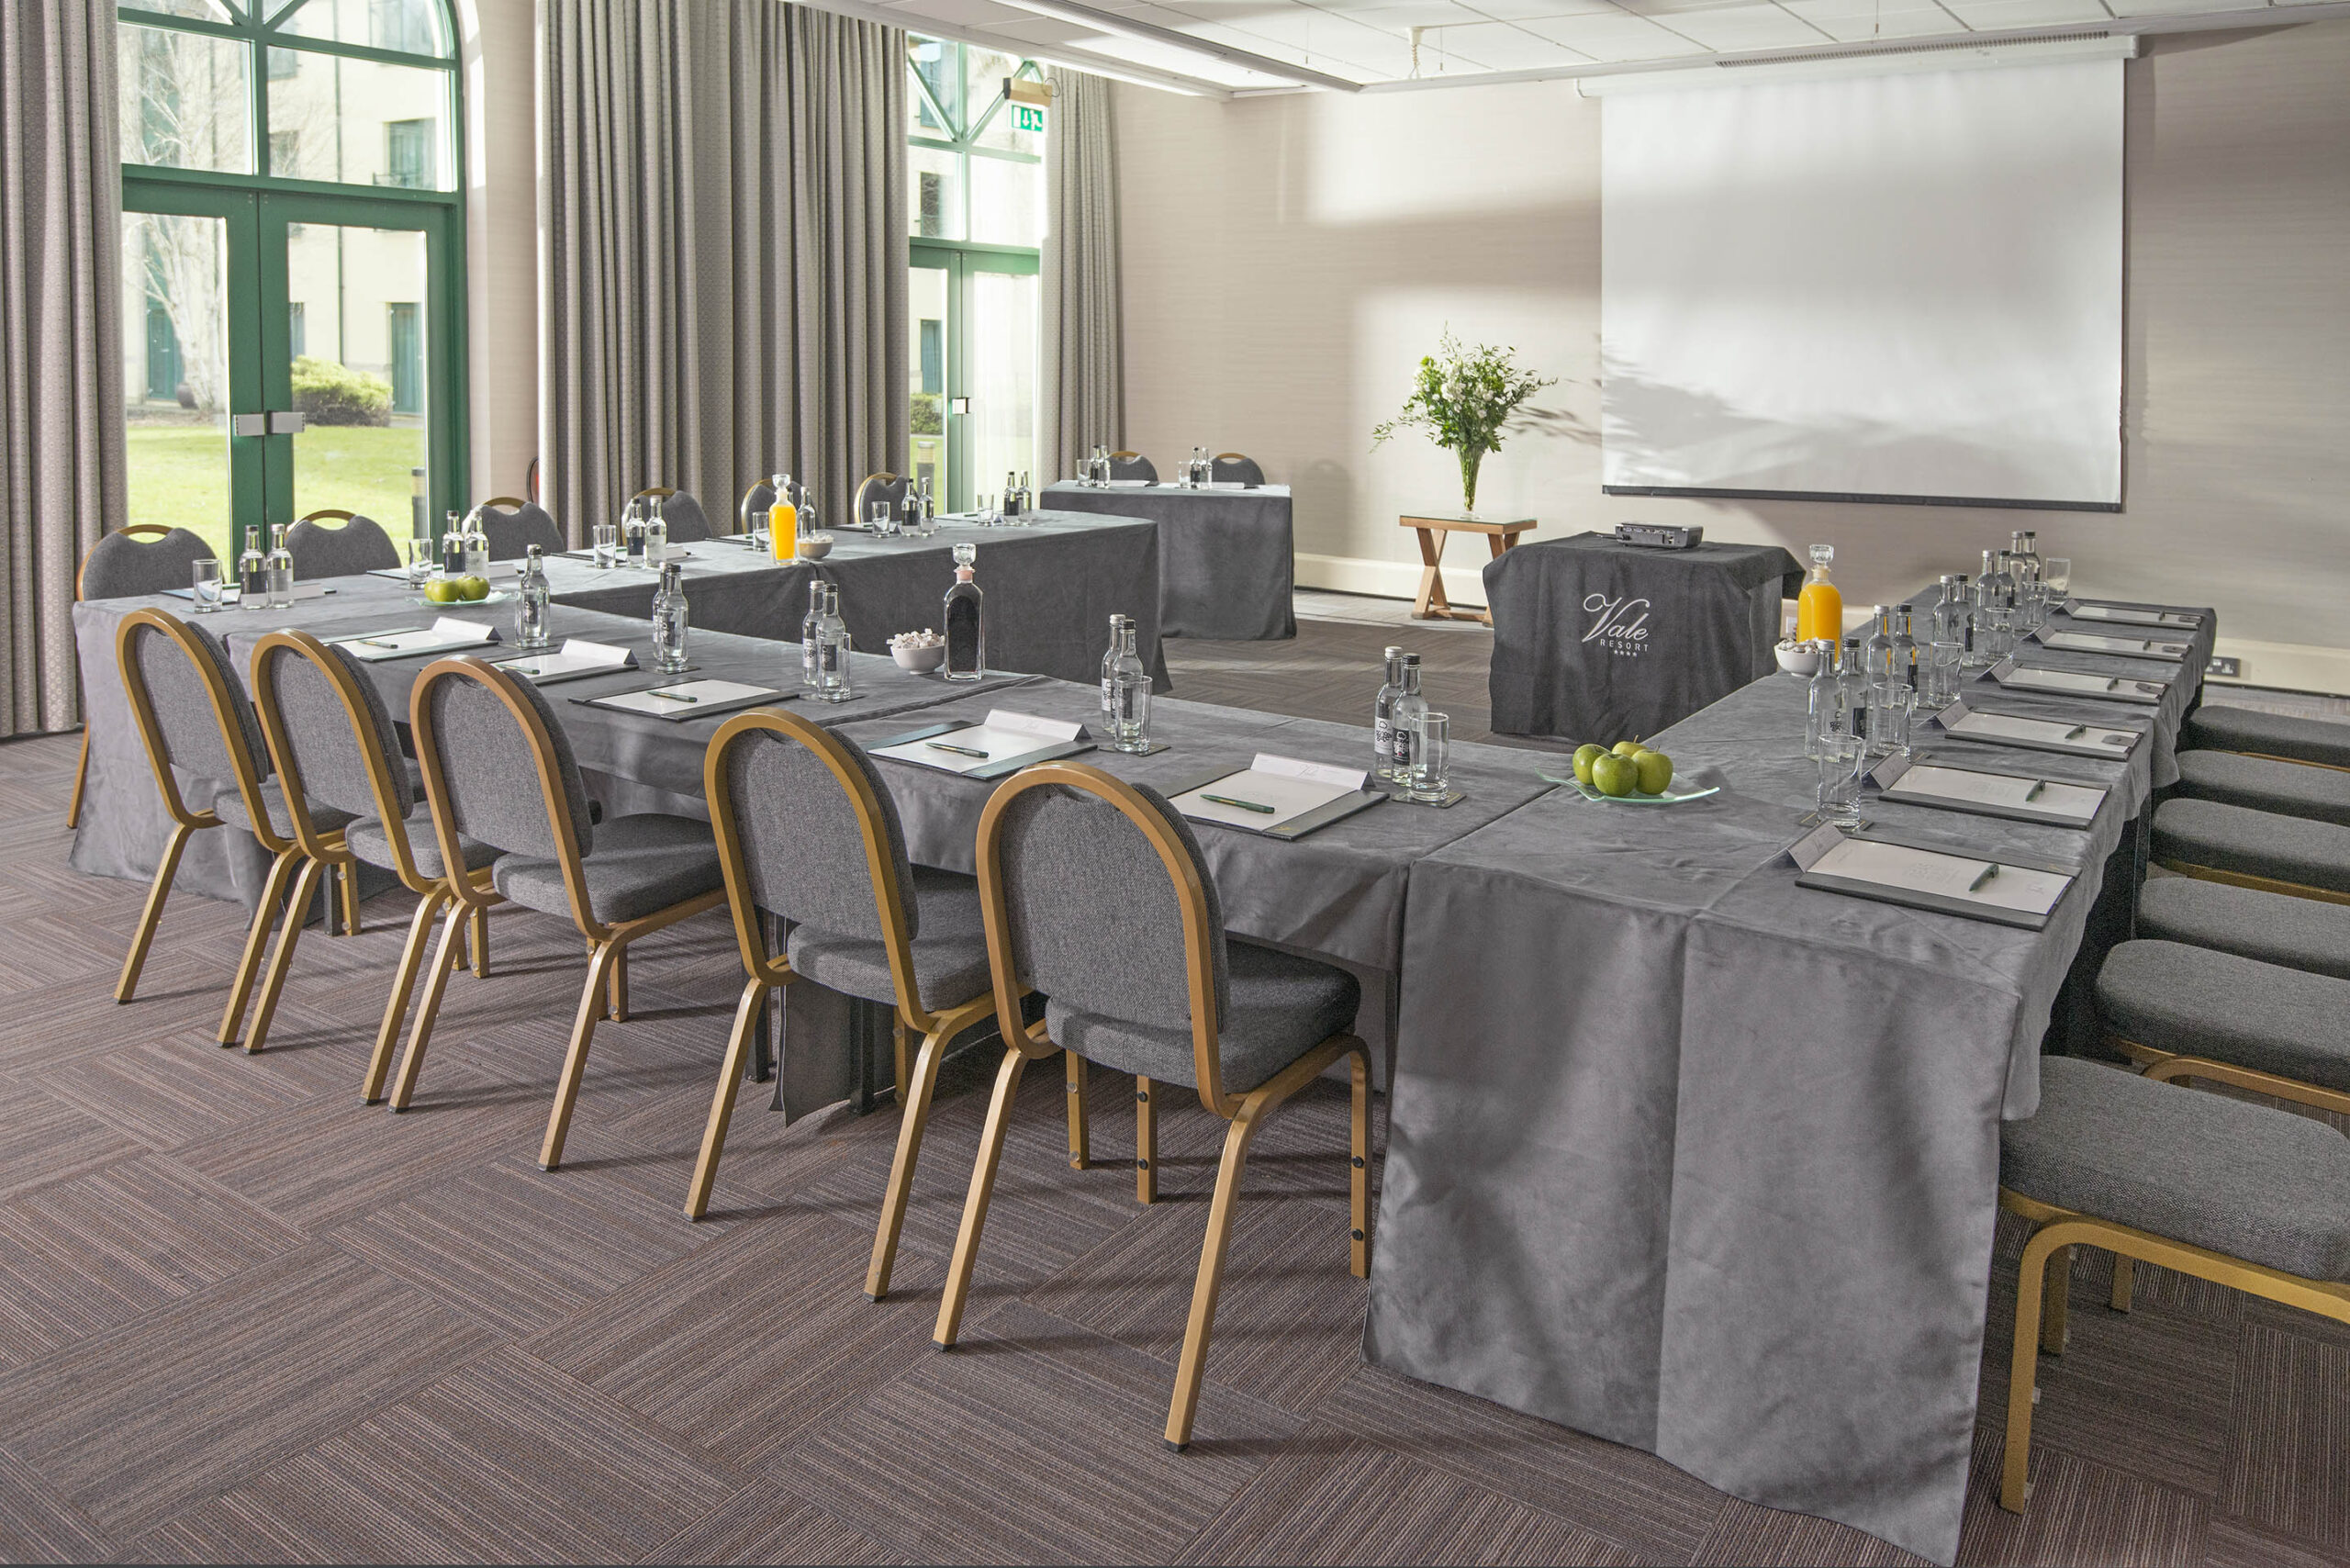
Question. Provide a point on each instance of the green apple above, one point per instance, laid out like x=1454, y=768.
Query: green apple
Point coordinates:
x=473, y=589
x=1584, y=757
x=1655, y=770
x=1614, y=775
x=442, y=590
x=1629, y=748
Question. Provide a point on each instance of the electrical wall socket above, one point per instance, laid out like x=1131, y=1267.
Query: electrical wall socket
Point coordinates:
x=2225, y=669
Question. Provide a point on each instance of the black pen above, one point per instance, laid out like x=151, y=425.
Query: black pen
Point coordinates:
x=2033, y=793
x=2076, y=730
x=957, y=750
x=1988, y=872
x=673, y=696
x=1243, y=805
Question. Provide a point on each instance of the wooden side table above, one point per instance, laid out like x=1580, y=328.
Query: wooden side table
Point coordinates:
x=1435, y=533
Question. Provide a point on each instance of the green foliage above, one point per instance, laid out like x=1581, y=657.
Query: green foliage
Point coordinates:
x=1465, y=399
x=332, y=394
x=929, y=414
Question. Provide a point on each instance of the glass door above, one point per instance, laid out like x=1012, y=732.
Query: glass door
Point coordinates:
x=927, y=318
x=973, y=314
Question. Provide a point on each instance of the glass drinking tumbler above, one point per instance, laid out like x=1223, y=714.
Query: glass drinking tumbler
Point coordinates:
x=607, y=543
x=1431, y=742
x=205, y=589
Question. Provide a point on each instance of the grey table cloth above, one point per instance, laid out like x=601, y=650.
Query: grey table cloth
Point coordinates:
x=1697, y=1160
x=1599, y=641
x=1227, y=555
x=1051, y=589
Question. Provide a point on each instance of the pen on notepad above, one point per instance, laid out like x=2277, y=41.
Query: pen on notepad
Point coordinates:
x=1988, y=872
x=376, y=643
x=957, y=750
x=674, y=696
x=2033, y=793
x=2076, y=730
x=1243, y=805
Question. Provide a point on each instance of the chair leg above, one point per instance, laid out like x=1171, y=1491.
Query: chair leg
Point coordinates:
x=901, y=1057
x=913, y=1116
x=2023, y=1370
x=256, y=939
x=1146, y=1143
x=436, y=986
x=477, y=941
x=618, y=1012
x=2054, y=1334
x=2125, y=1280
x=350, y=870
x=379, y=1062
x=1079, y=1140
x=1359, y=1181
x=600, y=970
x=289, y=932
x=721, y=1105
x=152, y=915
x=975, y=1206
x=1192, y=1365
x=81, y=780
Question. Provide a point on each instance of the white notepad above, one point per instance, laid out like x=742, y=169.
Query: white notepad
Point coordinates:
x=2136, y=647
x=1927, y=783
x=2126, y=615
x=577, y=657
x=2052, y=734
x=1956, y=876
x=1280, y=788
x=687, y=698
x=2076, y=683
x=1006, y=734
x=444, y=633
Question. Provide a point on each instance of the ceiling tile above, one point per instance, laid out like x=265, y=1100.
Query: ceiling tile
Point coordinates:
x=1991, y=15
x=1613, y=40
x=1041, y=31
x=1861, y=21
x=1521, y=10
x=1497, y=45
x=1736, y=27
x=1185, y=62
x=963, y=13
x=2179, y=7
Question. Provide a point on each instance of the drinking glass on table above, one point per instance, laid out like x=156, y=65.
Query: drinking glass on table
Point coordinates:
x=607, y=543
x=1431, y=753
x=205, y=589
x=1843, y=757
x=422, y=557
x=882, y=522
x=2057, y=571
x=983, y=509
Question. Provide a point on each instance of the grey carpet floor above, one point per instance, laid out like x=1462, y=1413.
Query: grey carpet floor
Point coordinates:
x=245, y=1317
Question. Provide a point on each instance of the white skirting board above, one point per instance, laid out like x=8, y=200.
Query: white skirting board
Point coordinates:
x=1464, y=581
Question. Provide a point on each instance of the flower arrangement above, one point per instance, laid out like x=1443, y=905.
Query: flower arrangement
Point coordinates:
x=1465, y=399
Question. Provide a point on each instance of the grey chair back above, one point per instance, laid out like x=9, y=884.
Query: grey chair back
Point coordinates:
x=888, y=488
x=1234, y=469
x=687, y=525
x=803, y=834
x=1132, y=466
x=757, y=501
x=487, y=765
x=1094, y=919
x=512, y=534
x=122, y=565
x=330, y=755
x=360, y=544
x=185, y=721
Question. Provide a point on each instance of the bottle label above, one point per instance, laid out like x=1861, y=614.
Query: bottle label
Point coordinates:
x=1400, y=751
x=1385, y=731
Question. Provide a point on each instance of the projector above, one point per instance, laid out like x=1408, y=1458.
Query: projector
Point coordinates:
x=1658, y=535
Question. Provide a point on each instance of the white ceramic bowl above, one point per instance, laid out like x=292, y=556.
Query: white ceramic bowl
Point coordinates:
x=1797, y=658
x=816, y=546
x=921, y=661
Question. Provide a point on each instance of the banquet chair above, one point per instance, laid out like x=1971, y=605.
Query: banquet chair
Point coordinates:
x=751, y=513
x=2281, y=737
x=333, y=740
x=1235, y=468
x=2244, y=1195
x=194, y=720
x=1132, y=466
x=2181, y=1012
x=2300, y=934
x=883, y=486
x=2224, y=843
x=1095, y=892
x=2266, y=784
x=807, y=831
x=499, y=769
x=359, y=546
x=681, y=513
x=119, y=567
x=513, y=531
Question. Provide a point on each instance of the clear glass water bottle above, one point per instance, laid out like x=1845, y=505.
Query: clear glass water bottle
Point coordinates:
x=1125, y=690
x=1853, y=689
x=633, y=533
x=252, y=571
x=669, y=619
x=477, y=545
x=279, y=568
x=2001, y=599
x=1010, y=494
x=531, y=598
x=1404, y=715
x=966, y=621
x=1889, y=695
x=2032, y=589
x=1905, y=647
x=1383, y=729
x=831, y=650
x=1823, y=695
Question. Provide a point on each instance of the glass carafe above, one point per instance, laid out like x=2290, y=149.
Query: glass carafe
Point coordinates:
x=531, y=599
x=966, y=621
x=1125, y=690
x=1819, y=608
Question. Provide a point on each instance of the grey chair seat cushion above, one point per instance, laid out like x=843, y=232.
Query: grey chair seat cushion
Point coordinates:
x=2194, y=1001
x=2253, y=844
x=2249, y=1181
x=641, y=864
x=2215, y=727
x=2296, y=789
x=231, y=809
x=1281, y=1007
x=950, y=951
x=367, y=840
x=2276, y=928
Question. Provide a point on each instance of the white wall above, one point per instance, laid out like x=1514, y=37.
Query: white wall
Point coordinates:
x=498, y=47
x=1288, y=259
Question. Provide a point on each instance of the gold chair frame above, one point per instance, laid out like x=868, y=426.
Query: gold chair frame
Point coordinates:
x=336, y=512
x=82, y=767
x=1245, y=1113
x=2258, y=884
x=767, y=972
x=856, y=503
x=607, y=986
x=743, y=507
x=329, y=850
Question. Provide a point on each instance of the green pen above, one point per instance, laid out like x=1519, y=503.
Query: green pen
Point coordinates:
x=2076, y=730
x=1988, y=872
x=673, y=696
x=957, y=750
x=2033, y=793
x=1243, y=805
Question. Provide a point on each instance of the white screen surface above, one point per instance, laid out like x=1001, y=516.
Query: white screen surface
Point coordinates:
x=1899, y=286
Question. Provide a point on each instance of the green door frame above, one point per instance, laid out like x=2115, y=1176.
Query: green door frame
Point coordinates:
x=959, y=260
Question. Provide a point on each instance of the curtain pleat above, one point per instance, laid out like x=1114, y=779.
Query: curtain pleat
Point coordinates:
x=1084, y=347
x=725, y=212
x=61, y=462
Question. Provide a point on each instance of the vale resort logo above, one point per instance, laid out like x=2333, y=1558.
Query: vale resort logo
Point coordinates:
x=1620, y=625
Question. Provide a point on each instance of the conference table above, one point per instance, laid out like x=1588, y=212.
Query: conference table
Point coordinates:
x=1693, y=1158
x=1226, y=552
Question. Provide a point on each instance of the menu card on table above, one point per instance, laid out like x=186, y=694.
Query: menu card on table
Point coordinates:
x=2079, y=683
x=2090, y=643
x=576, y=658
x=2132, y=615
x=681, y=700
x=444, y=636
x=1279, y=797
x=2036, y=735
x=1006, y=744
x=2015, y=795
x=2003, y=892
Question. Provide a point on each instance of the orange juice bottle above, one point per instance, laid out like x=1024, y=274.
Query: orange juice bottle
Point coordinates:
x=783, y=521
x=1819, y=608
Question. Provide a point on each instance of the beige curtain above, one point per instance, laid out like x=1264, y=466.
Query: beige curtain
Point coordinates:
x=61, y=338
x=723, y=213
x=1084, y=358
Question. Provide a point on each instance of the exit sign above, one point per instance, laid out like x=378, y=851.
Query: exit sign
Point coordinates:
x=1027, y=117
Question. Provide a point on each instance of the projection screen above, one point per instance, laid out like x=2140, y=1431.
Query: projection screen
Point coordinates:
x=1901, y=287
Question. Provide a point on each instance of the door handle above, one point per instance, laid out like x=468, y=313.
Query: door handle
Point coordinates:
x=958, y=405
x=286, y=421
x=249, y=424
